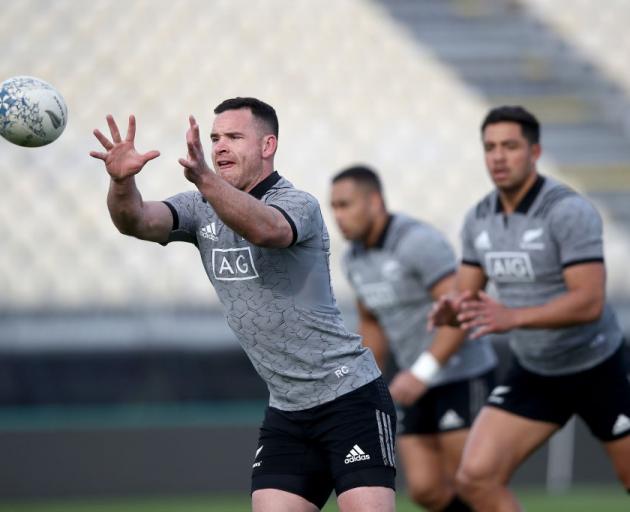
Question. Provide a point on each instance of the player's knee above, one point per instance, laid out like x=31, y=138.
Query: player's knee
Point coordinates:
x=473, y=479
x=431, y=497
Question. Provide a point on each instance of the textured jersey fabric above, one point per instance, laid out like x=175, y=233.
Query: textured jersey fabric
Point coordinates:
x=279, y=302
x=524, y=254
x=393, y=280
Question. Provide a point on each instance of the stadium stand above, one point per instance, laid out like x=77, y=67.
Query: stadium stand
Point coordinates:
x=399, y=84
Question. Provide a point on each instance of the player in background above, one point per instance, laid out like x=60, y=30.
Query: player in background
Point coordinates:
x=540, y=243
x=397, y=266
x=265, y=248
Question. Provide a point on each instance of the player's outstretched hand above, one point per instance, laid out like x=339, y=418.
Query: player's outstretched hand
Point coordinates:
x=195, y=166
x=121, y=158
x=445, y=310
x=406, y=388
x=485, y=315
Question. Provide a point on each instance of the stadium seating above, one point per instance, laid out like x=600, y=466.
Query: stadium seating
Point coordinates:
x=403, y=90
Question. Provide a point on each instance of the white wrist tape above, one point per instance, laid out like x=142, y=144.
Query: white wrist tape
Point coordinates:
x=425, y=367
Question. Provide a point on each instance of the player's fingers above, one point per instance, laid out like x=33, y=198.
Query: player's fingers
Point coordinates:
x=484, y=297
x=100, y=156
x=477, y=322
x=481, y=331
x=103, y=140
x=470, y=305
x=113, y=128
x=195, y=130
x=150, y=155
x=186, y=163
x=467, y=316
x=131, y=129
x=192, y=149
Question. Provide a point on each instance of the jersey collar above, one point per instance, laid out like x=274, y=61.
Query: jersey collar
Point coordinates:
x=380, y=243
x=259, y=190
x=527, y=201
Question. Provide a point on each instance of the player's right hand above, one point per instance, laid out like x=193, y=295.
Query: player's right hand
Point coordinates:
x=444, y=311
x=121, y=158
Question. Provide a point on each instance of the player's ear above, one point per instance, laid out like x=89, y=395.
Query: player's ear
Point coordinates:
x=536, y=151
x=269, y=145
x=376, y=200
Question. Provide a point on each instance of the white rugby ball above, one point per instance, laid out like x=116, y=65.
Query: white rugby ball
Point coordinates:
x=32, y=112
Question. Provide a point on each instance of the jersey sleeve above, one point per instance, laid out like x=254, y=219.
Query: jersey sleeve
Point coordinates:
x=576, y=226
x=301, y=211
x=469, y=253
x=183, y=206
x=429, y=254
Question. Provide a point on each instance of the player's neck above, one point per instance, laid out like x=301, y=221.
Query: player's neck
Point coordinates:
x=376, y=230
x=510, y=199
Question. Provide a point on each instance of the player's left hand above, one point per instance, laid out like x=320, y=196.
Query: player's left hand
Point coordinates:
x=195, y=166
x=485, y=315
x=406, y=388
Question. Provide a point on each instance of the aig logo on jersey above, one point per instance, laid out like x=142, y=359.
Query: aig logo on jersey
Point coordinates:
x=233, y=264
x=509, y=267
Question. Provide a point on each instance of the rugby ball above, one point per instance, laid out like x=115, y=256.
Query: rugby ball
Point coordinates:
x=32, y=112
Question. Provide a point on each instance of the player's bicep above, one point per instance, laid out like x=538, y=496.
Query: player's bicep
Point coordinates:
x=470, y=278
x=444, y=286
x=588, y=279
x=157, y=222
x=282, y=232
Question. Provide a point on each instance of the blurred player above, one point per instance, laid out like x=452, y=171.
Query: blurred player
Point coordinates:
x=540, y=243
x=397, y=266
x=265, y=248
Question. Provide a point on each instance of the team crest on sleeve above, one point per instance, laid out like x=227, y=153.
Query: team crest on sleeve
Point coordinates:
x=236, y=264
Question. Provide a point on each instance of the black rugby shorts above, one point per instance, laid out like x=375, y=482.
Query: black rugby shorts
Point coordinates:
x=447, y=407
x=342, y=444
x=599, y=395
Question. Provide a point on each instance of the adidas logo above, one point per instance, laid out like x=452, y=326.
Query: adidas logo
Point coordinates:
x=621, y=425
x=356, y=455
x=482, y=242
x=451, y=420
x=210, y=231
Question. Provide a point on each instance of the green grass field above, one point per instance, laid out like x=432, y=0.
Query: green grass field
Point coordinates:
x=604, y=499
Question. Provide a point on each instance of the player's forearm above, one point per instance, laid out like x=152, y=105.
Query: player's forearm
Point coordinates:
x=124, y=203
x=571, y=308
x=447, y=341
x=258, y=223
x=374, y=339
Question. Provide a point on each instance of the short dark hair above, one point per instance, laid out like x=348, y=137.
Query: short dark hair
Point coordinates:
x=515, y=114
x=363, y=175
x=259, y=109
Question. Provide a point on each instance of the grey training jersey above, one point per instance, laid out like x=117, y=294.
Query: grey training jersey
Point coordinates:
x=279, y=302
x=525, y=254
x=394, y=279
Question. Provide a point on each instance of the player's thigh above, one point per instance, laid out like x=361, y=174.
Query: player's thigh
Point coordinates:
x=422, y=462
x=451, y=449
x=272, y=500
x=367, y=499
x=498, y=443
